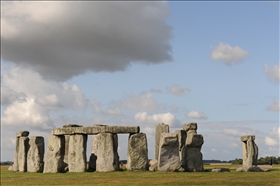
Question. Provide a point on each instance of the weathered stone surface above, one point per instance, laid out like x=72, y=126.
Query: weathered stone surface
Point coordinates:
x=66, y=146
x=96, y=129
x=11, y=168
x=190, y=126
x=153, y=165
x=55, y=154
x=15, y=165
x=72, y=125
x=193, y=157
x=22, y=153
x=169, y=159
x=220, y=170
x=160, y=128
x=107, y=154
x=137, y=152
x=77, y=161
x=22, y=133
x=35, y=155
x=247, y=137
x=181, y=134
x=194, y=140
x=249, y=169
x=249, y=151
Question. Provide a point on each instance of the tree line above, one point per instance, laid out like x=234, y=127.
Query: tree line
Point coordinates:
x=261, y=160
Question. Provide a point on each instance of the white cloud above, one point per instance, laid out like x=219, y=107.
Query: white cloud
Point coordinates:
x=233, y=132
x=214, y=150
x=39, y=98
x=108, y=112
x=64, y=39
x=196, y=115
x=228, y=54
x=155, y=119
x=271, y=142
x=272, y=73
x=178, y=91
x=144, y=102
x=275, y=107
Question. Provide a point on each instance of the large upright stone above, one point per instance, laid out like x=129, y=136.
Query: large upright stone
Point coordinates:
x=137, y=152
x=169, y=158
x=181, y=134
x=107, y=154
x=193, y=156
x=18, y=135
x=192, y=153
x=160, y=128
x=55, y=154
x=77, y=161
x=249, y=151
x=35, y=155
x=22, y=153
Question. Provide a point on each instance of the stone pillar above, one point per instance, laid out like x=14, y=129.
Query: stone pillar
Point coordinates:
x=249, y=151
x=107, y=152
x=55, y=154
x=193, y=157
x=160, y=128
x=77, y=161
x=18, y=135
x=22, y=153
x=169, y=158
x=35, y=155
x=181, y=134
x=137, y=152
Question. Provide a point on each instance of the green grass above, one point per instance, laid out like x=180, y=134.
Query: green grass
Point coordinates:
x=144, y=178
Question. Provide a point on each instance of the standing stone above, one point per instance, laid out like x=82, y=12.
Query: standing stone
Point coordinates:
x=137, y=152
x=107, y=154
x=181, y=134
x=160, y=128
x=169, y=158
x=18, y=135
x=77, y=161
x=35, y=155
x=65, y=159
x=55, y=154
x=192, y=154
x=249, y=152
x=22, y=153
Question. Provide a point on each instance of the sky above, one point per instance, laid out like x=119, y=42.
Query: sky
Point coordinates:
x=141, y=64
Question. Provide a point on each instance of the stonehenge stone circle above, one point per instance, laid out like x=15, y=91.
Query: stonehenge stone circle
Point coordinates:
x=137, y=152
x=55, y=154
x=77, y=161
x=35, y=155
x=160, y=128
x=18, y=135
x=169, y=158
x=22, y=153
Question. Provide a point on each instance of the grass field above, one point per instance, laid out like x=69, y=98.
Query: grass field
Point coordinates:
x=145, y=178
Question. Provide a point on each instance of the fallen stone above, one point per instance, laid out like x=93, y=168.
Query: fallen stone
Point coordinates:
x=55, y=154
x=153, y=165
x=137, y=152
x=106, y=152
x=35, y=155
x=249, y=169
x=169, y=159
x=22, y=153
x=11, y=168
x=96, y=129
x=77, y=161
x=160, y=128
x=220, y=170
x=22, y=133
